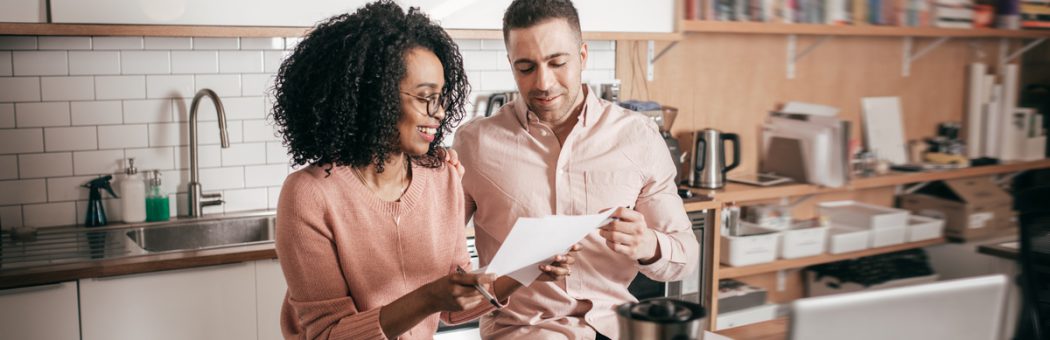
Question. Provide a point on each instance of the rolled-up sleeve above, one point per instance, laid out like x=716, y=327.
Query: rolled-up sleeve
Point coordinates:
x=665, y=214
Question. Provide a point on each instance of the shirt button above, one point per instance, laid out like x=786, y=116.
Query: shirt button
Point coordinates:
x=543, y=133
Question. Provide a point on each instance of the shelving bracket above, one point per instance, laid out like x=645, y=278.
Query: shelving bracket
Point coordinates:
x=909, y=58
x=1005, y=57
x=653, y=57
x=793, y=57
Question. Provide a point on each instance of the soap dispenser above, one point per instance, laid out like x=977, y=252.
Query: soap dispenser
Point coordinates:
x=157, y=208
x=133, y=194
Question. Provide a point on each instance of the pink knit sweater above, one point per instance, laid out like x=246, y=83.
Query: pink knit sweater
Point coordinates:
x=346, y=253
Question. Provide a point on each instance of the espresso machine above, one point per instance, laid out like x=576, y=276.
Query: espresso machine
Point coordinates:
x=667, y=117
x=663, y=116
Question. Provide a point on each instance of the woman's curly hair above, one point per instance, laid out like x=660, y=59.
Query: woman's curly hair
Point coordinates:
x=337, y=96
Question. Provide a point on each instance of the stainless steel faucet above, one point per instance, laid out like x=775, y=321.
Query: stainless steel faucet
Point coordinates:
x=199, y=200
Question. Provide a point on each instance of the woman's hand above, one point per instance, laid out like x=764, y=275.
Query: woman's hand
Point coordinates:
x=561, y=267
x=452, y=158
x=455, y=292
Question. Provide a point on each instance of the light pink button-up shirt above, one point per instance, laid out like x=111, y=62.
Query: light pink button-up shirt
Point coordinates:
x=515, y=167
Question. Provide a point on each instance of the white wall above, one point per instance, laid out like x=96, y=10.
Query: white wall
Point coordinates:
x=71, y=108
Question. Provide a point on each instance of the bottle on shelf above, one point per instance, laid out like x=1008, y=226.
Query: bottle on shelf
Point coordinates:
x=133, y=194
x=157, y=208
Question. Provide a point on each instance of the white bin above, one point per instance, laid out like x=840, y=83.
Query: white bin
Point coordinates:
x=844, y=239
x=888, y=236
x=802, y=240
x=863, y=215
x=921, y=228
x=756, y=245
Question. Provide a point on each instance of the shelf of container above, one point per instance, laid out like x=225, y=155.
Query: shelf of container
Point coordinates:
x=259, y=31
x=703, y=26
x=725, y=272
x=734, y=192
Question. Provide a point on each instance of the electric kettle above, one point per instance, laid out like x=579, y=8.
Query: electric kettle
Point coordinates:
x=661, y=319
x=709, y=158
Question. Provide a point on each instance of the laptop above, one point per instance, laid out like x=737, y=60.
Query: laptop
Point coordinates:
x=962, y=309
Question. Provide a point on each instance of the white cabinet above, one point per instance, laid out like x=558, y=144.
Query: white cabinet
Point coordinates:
x=40, y=312
x=595, y=15
x=270, y=288
x=217, y=302
x=23, y=11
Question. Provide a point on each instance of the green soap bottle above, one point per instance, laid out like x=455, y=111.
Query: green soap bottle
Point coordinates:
x=157, y=208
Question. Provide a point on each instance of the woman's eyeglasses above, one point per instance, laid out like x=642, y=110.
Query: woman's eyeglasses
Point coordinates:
x=434, y=103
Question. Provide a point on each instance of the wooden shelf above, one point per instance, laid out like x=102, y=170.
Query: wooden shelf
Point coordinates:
x=698, y=26
x=257, y=31
x=734, y=192
x=697, y=205
x=725, y=272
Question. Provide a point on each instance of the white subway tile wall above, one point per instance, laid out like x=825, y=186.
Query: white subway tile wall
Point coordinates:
x=73, y=108
x=8, y=167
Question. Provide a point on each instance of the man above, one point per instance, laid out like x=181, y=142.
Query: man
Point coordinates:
x=561, y=150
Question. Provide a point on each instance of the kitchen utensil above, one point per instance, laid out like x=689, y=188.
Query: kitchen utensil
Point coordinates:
x=661, y=318
x=709, y=158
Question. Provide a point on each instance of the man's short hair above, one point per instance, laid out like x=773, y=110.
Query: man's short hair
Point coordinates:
x=528, y=13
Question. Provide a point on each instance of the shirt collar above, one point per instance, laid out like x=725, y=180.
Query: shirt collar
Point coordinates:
x=591, y=109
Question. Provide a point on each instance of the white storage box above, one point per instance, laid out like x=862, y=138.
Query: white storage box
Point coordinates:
x=749, y=316
x=922, y=228
x=864, y=215
x=755, y=245
x=844, y=239
x=803, y=239
x=888, y=236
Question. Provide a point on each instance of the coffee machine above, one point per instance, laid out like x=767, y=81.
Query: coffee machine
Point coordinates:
x=667, y=117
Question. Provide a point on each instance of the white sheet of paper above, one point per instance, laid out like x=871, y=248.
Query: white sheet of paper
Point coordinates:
x=534, y=240
x=883, y=128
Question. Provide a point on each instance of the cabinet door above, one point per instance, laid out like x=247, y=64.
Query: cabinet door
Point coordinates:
x=23, y=11
x=216, y=302
x=40, y=312
x=271, y=287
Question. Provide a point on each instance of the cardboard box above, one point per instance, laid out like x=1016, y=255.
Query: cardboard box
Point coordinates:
x=972, y=208
x=829, y=285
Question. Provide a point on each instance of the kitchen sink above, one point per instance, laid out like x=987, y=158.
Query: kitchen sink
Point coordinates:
x=199, y=234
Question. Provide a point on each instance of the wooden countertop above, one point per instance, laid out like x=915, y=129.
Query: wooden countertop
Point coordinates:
x=35, y=275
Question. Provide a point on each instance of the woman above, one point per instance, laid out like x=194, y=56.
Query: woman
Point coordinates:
x=370, y=234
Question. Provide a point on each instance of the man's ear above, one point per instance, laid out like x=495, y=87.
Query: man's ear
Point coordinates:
x=583, y=54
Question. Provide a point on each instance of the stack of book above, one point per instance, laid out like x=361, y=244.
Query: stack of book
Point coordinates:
x=1035, y=14
x=911, y=13
x=953, y=13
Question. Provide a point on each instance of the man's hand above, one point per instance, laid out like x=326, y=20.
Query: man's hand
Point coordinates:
x=561, y=267
x=452, y=158
x=629, y=235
